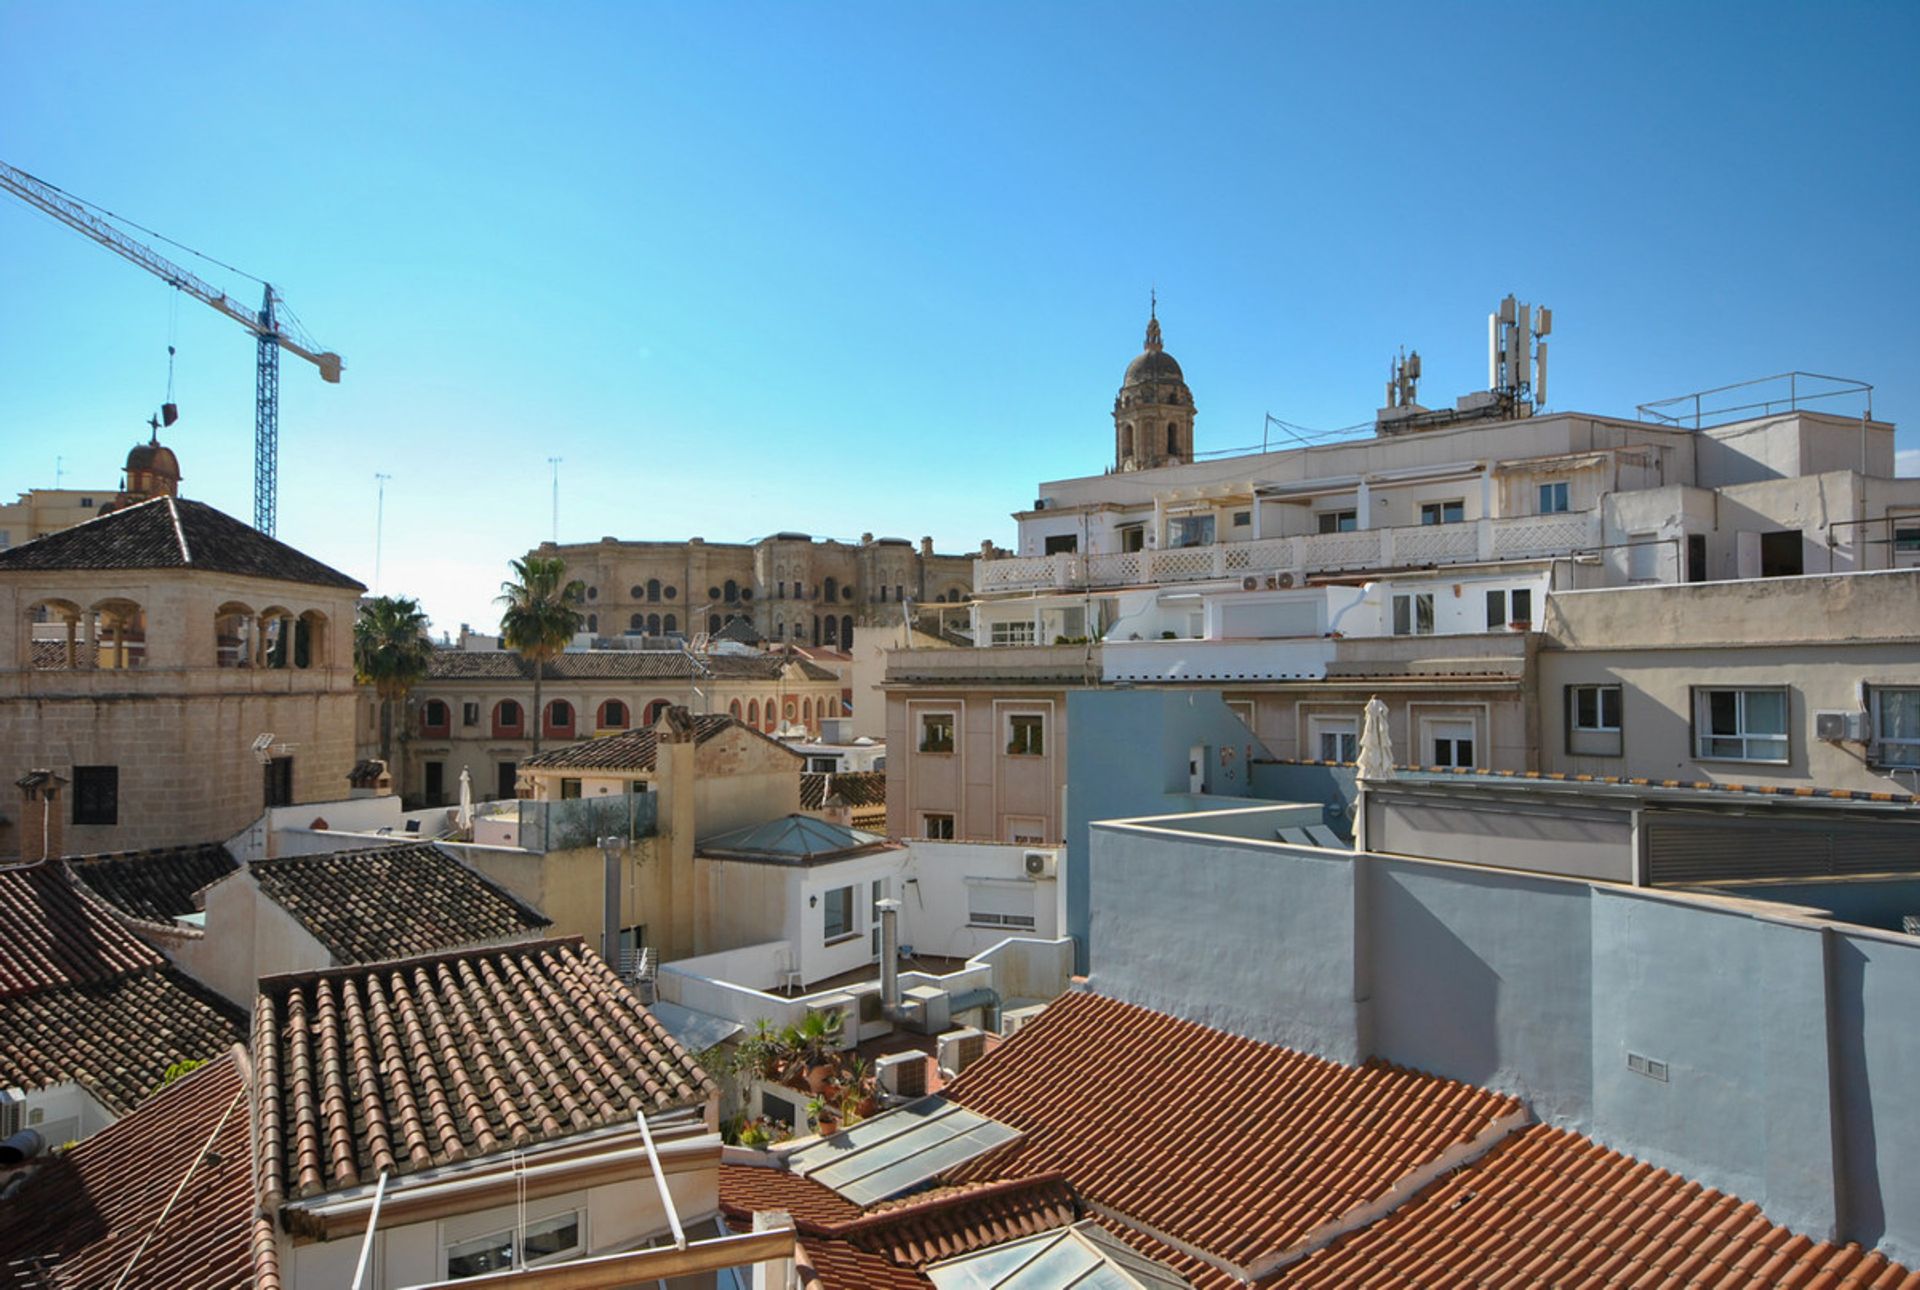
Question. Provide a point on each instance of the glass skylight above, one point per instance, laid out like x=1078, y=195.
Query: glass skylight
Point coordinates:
x=1084, y=1257
x=896, y=1151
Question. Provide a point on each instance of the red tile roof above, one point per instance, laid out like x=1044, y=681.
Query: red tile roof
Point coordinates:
x=1237, y=1148
x=1549, y=1207
x=83, y=999
x=636, y=749
x=83, y=1216
x=390, y=902
x=749, y=1189
x=402, y=1066
x=826, y=1264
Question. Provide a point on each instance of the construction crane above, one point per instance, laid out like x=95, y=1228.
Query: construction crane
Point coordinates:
x=272, y=331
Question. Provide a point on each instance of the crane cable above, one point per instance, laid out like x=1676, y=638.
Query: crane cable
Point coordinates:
x=142, y=227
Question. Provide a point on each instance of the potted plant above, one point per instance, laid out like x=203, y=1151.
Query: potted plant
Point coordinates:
x=825, y=1116
x=812, y=1044
x=755, y=1134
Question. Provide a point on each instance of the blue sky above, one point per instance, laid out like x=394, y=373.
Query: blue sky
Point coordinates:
x=849, y=268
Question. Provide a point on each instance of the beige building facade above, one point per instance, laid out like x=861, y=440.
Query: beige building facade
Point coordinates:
x=791, y=587
x=180, y=671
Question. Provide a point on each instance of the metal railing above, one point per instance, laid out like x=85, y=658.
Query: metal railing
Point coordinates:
x=1690, y=411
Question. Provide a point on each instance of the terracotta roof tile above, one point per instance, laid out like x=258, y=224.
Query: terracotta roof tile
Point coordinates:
x=618, y=665
x=826, y=1264
x=82, y=1216
x=155, y=886
x=1550, y=1207
x=393, y=901
x=401, y=1066
x=749, y=1189
x=1221, y=1143
x=56, y=935
x=173, y=533
x=635, y=750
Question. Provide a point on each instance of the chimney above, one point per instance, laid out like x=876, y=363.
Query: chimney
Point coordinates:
x=889, y=955
x=42, y=828
x=926, y=546
x=835, y=809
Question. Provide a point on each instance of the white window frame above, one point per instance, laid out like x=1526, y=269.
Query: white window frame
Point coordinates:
x=1007, y=733
x=926, y=826
x=1012, y=631
x=1599, y=689
x=509, y=1236
x=1703, y=736
x=1432, y=736
x=1415, y=602
x=1342, y=730
x=1556, y=497
x=1011, y=893
x=847, y=932
x=1907, y=751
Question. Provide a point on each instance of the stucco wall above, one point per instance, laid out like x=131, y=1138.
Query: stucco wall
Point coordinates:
x=1788, y=1043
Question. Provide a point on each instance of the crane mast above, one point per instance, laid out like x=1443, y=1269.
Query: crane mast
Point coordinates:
x=272, y=332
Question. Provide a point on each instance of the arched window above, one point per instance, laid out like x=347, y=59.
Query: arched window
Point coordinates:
x=753, y=712
x=832, y=589
x=560, y=719
x=654, y=710
x=733, y=709
x=613, y=715
x=883, y=591
x=653, y=588
x=733, y=591
x=435, y=718
x=846, y=631
x=233, y=635
x=507, y=719
x=779, y=631
x=1126, y=440
x=806, y=711
x=310, y=640
x=636, y=623
x=275, y=638
x=1173, y=439
x=833, y=630
x=593, y=622
x=713, y=624
x=671, y=623
x=653, y=624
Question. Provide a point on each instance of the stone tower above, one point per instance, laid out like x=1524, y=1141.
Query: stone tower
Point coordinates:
x=1153, y=415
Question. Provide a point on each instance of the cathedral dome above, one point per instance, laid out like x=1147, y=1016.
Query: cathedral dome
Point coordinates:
x=1154, y=363
x=153, y=458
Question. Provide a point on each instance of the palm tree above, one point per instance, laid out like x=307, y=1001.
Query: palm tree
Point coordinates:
x=390, y=653
x=540, y=617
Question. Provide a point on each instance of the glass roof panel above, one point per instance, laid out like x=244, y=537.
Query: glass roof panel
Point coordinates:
x=898, y=1150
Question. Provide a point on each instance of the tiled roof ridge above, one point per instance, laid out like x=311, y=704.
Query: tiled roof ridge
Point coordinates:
x=285, y=980
x=81, y=869
x=1630, y=781
x=135, y=955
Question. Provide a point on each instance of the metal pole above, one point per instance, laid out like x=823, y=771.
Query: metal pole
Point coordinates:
x=366, y=1242
x=379, y=527
x=611, y=847
x=555, y=463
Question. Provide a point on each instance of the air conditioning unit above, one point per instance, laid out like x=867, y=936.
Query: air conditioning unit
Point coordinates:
x=903, y=1075
x=1013, y=1018
x=13, y=1111
x=958, y=1049
x=1285, y=578
x=1250, y=583
x=1041, y=864
x=1840, y=727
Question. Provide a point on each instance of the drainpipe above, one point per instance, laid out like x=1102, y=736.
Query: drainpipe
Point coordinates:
x=890, y=955
x=610, y=849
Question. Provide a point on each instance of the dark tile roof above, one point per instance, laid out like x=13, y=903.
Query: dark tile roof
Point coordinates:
x=857, y=788
x=1549, y=1207
x=393, y=901
x=115, y=1037
x=635, y=750
x=154, y=886
x=617, y=665
x=403, y=1066
x=1225, y=1145
x=739, y=630
x=83, y=999
x=172, y=533
x=92, y=1216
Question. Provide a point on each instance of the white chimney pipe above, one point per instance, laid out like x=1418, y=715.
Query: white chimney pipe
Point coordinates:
x=889, y=954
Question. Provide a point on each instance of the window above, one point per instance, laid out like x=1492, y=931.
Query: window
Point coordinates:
x=1521, y=601
x=1000, y=904
x=546, y=1239
x=613, y=715
x=1339, y=521
x=569, y=788
x=1740, y=725
x=1413, y=614
x=1026, y=735
x=1553, y=497
x=1190, y=530
x=1593, y=707
x=507, y=715
x=1443, y=512
x=1133, y=537
x=1063, y=544
x=278, y=775
x=1782, y=554
x=1451, y=743
x=470, y=713
x=96, y=794
x=776, y=1110
x=506, y=779
x=839, y=911
x=1026, y=830
x=936, y=732
x=1014, y=633
x=436, y=789
x=1243, y=519
x=1336, y=738
x=1896, y=725
x=937, y=827
x=434, y=716
x=559, y=715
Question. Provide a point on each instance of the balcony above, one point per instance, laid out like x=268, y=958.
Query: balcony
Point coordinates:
x=1521, y=537
x=1006, y=664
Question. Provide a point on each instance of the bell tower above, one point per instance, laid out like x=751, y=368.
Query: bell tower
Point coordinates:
x=1153, y=413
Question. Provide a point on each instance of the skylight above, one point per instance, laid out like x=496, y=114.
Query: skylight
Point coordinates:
x=898, y=1150
x=1084, y=1257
